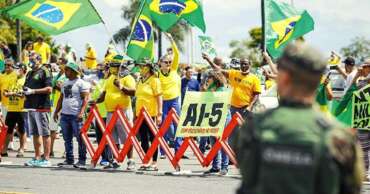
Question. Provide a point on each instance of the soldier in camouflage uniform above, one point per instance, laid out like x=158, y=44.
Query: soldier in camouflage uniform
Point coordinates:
x=295, y=149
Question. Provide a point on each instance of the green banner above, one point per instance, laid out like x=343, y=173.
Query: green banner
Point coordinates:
x=361, y=108
x=207, y=46
x=204, y=114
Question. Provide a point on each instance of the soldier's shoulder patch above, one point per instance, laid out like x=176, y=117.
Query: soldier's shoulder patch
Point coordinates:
x=341, y=143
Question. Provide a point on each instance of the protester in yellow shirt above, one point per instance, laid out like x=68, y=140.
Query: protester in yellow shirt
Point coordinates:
x=269, y=82
x=109, y=55
x=171, y=86
x=15, y=116
x=43, y=49
x=7, y=78
x=90, y=57
x=246, y=86
x=149, y=95
x=116, y=92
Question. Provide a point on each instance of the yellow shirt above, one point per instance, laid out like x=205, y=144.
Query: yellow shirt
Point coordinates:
x=43, y=50
x=109, y=57
x=269, y=84
x=114, y=97
x=7, y=80
x=15, y=103
x=91, y=63
x=244, y=86
x=146, y=95
x=171, y=84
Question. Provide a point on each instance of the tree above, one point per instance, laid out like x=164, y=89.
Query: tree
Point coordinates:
x=359, y=48
x=249, y=48
x=129, y=12
x=8, y=28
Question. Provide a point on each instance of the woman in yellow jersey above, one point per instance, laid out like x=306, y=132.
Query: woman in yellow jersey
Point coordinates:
x=15, y=115
x=171, y=86
x=149, y=95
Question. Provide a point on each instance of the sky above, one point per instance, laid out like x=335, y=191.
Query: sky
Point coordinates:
x=337, y=22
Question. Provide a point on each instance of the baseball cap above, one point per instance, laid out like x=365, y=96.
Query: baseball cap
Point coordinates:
x=349, y=61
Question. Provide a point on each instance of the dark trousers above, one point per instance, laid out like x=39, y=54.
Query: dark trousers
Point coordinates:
x=146, y=135
x=107, y=153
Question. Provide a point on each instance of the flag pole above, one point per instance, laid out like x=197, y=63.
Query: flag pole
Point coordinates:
x=105, y=26
x=19, y=38
x=263, y=25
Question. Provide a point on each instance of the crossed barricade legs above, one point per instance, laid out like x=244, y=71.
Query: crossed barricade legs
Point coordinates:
x=132, y=141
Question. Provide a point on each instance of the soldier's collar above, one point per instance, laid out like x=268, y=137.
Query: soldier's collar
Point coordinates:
x=292, y=103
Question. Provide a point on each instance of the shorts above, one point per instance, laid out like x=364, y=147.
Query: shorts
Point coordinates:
x=38, y=123
x=13, y=119
x=118, y=132
x=54, y=126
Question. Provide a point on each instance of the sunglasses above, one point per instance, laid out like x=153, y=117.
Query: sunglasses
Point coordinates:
x=8, y=65
x=167, y=62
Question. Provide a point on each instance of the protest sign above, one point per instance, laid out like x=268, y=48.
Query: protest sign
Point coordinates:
x=361, y=109
x=203, y=114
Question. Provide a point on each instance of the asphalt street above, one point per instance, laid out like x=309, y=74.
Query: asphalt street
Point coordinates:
x=16, y=178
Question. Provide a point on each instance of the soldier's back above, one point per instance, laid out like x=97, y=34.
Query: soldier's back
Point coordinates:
x=292, y=150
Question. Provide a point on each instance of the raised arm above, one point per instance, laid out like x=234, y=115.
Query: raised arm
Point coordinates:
x=215, y=66
x=176, y=53
x=269, y=61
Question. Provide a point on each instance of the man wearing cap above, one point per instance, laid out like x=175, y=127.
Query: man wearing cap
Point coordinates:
x=43, y=49
x=349, y=71
x=295, y=148
x=90, y=57
x=37, y=89
x=116, y=96
x=72, y=105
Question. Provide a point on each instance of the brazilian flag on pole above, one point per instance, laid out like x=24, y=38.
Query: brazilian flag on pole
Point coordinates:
x=283, y=24
x=141, y=38
x=54, y=17
x=166, y=13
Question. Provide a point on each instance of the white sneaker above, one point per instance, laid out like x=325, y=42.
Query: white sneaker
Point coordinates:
x=11, y=146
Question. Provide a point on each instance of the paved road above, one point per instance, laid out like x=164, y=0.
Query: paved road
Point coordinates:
x=14, y=177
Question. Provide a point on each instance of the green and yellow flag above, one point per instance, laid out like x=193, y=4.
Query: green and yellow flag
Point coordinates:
x=166, y=13
x=142, y=38
x=283, y=24
x=54, y=17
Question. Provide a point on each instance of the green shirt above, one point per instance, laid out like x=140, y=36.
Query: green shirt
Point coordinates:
x=296, y=149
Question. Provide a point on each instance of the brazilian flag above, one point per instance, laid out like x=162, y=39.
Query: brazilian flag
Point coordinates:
x=141, y=38
x=166, y=13
x=54, y=17
x=284, y=23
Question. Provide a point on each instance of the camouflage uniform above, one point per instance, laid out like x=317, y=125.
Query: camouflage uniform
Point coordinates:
x=296, y=149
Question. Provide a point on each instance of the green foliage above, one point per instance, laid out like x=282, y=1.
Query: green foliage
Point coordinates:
x=359, y=48
x=249, y=48
x=8, y=29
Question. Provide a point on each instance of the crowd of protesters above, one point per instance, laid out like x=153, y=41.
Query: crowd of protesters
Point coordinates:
x=41, y=97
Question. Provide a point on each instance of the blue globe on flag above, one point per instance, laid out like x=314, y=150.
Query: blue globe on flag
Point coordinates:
x=171, y=6
x=142, y=31
x=49, y=13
